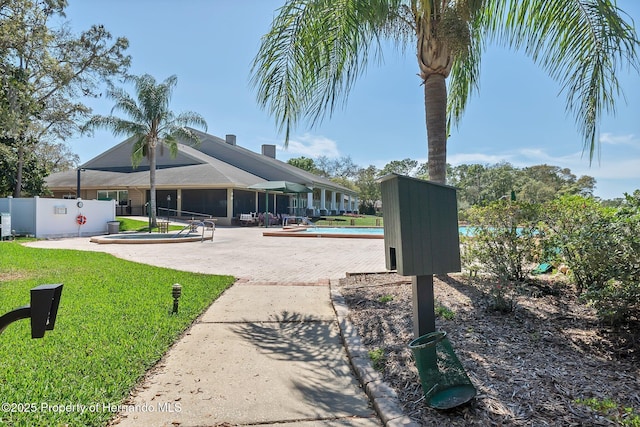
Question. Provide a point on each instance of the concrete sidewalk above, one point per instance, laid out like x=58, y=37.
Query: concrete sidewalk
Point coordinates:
x=269, y=351
x=262, y=354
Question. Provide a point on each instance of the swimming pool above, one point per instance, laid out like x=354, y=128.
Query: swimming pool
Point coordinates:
x=344, y=232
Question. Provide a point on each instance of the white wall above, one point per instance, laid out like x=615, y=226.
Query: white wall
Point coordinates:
x=51, y=218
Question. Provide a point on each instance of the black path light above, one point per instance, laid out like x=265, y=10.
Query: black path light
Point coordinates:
x=176, y=292
x=43, y=310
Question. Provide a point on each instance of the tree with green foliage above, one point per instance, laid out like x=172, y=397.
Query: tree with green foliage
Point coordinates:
x=401, y=167
x=32, y=171
x=479, y=185
x=368, y=188
x=45, y=71
x=342, y=167
x=57, y=156
x=151, y=124
x=303, y=163
x=317, y=49
x=483, y=184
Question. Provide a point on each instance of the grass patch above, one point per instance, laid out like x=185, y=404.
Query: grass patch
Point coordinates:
x=444, y=312
x=128, y=224
x=385, y=299
x=346, y=220
x=613, y=411
x=113, y=324
x=378, y=359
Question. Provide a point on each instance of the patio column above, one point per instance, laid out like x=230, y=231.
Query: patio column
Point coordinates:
x=334, y=203
x=229, y=205
x=309, y=202
x=341, y=202
x=179, y=202
x=323, y=197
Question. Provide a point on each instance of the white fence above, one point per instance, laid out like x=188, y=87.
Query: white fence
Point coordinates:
x=51, y=218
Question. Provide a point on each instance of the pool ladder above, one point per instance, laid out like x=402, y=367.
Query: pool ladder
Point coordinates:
x=193, y=226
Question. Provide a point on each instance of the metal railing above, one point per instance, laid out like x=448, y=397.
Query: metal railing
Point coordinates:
x=193, y=226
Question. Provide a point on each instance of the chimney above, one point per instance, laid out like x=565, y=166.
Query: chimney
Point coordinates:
x=231, y=139
x=269, y=150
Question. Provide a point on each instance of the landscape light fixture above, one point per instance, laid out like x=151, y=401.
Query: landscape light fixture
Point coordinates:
x=43, y=310
x=176, y=291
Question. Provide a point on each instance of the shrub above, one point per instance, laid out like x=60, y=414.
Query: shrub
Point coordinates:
x=577, y=233
x=503, y=297
x=601, y=246
x=504, y=239
x=618, y=299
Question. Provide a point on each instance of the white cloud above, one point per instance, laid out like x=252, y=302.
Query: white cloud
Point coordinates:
x=613, y=139
x=620, y=169
x=311, y=146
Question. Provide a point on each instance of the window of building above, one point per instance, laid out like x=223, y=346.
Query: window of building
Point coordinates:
x=121, y=196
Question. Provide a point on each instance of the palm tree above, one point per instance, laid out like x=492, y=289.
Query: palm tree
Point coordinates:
x=317, y=49
x=151, y=124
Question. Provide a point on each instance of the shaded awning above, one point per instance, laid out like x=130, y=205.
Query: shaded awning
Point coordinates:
x=281, y=186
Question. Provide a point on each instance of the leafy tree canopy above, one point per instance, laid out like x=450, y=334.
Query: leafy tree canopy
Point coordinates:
x=46, y=70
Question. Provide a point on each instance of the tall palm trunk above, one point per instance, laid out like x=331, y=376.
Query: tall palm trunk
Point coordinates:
x=434, y=61
x=152, y=183
x=435, y=105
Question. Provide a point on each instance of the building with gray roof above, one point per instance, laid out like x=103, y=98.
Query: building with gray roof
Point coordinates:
x=208, y=179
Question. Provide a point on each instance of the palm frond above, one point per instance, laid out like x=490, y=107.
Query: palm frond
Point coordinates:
x=581, y=43
x=139, y=150
x=313, y=55
x=465, y=73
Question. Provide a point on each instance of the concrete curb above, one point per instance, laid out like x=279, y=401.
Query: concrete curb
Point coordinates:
x=384, y=398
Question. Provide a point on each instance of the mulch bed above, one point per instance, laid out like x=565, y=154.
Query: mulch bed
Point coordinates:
x=530, y=366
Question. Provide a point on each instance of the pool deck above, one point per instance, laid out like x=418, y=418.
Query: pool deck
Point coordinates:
x=146, y=238
x=245, y=253
x=308, y=232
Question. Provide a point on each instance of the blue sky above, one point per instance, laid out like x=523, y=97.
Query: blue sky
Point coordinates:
x=518, y=116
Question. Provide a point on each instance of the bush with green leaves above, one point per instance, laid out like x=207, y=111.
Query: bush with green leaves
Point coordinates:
x=618, y=299
x=601, y=247
x=577, y=233
x=504, y=239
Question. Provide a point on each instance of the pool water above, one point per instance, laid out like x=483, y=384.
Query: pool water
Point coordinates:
x=465, y=231
x=361, y=232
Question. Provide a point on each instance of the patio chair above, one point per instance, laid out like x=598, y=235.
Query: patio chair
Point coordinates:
x=248, y=219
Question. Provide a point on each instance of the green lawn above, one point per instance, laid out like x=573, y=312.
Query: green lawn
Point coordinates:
x=113, y=324
x=358, y=221
x=128, y=224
